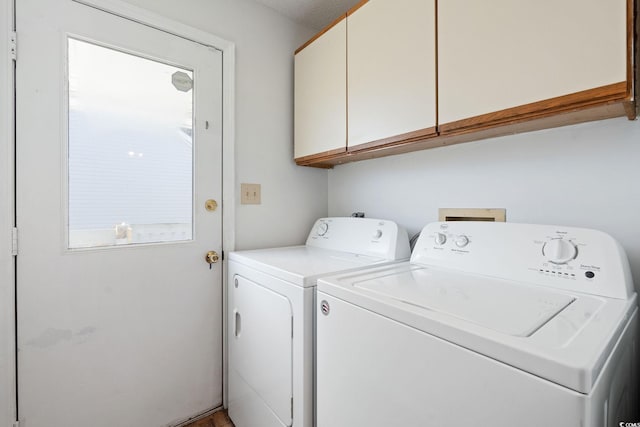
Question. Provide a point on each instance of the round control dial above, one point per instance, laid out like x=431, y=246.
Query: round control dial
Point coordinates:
x=377, y=234
x=322, y=229
x=559, y=251
x=462, y=241
x=440, y=239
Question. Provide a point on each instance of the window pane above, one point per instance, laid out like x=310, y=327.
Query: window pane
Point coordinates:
x=130, y=149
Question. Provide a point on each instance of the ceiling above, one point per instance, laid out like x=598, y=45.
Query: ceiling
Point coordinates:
x=315, y=14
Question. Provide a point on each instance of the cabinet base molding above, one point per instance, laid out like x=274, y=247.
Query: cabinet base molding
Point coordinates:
x=329, y=159
x=404, y=138
x=617, y=92
x=506, y=127
x=317, y=160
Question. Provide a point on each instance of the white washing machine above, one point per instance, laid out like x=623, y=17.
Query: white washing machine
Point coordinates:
x=271, y=304
x=489, y=324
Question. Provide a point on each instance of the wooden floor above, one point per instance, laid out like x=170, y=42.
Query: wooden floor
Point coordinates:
x=219, y=419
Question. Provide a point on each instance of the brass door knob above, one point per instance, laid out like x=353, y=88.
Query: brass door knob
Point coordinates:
x=212, y=257
x=211, y=205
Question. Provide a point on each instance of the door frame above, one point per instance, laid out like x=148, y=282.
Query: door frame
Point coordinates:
x=8, y=401
x=8, y=373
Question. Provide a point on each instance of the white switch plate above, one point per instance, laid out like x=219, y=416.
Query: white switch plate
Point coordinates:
x=250, y=194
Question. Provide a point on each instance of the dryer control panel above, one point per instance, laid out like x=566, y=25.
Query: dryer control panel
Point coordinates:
x=577, y=259
x=364, y=236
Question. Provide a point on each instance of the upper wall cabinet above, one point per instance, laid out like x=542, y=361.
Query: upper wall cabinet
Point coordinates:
x=391, y=82
x=320, y=95
x=504, y=60
x=403, y=75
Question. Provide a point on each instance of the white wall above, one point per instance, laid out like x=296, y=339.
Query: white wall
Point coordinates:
x=292, y=197
x=7, y=364
x=586, y=175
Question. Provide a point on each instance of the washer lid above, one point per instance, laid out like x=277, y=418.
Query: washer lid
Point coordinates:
x=491, y=303
x=564, y=337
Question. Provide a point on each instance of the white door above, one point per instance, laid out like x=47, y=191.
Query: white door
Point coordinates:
x=118, y=149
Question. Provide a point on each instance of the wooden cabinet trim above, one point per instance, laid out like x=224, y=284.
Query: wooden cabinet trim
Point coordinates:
x=357, y=6
x=333, y=24
x=631, y=35
x=395, y=140
x=571, y=117
x=634, y=46
x=324, y=30
x=631, y=109
x=605, y=94
x=319, y=157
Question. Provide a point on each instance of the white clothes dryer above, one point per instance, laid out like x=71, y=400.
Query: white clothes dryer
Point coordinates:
x=270, y=305
x=489, y=324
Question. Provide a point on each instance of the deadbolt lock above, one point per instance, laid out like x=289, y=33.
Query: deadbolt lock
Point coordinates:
x=211, y=205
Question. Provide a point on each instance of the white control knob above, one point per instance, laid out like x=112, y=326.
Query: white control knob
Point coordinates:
x=462, y=241
x=377, y=234
x=440, y=239
x=322, y=229
x=559, y=251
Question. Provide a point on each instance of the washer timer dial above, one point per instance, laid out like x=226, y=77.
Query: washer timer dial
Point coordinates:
x=559, y=251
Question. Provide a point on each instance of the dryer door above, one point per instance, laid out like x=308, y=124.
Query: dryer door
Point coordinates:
x=261, y=348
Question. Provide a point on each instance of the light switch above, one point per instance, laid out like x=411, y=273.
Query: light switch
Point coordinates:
x=250, y=194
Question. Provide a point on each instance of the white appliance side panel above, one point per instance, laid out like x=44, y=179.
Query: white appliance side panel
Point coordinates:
x=261, y=339
x=617, y=387
x=375, y=372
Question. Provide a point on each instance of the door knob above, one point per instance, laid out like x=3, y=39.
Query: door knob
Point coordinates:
x=211, y=205
x=211, y=257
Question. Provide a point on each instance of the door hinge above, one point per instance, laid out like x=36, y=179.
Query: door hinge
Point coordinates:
x=292, y=327
x=13, y=46
x=292, y=407
x=16, y=424
x=14, y=241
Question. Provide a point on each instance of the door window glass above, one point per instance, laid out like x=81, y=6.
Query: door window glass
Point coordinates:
x=130, y=149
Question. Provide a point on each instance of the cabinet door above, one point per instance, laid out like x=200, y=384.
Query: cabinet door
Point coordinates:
x=391, y=71
x=496, y=55
x=321, y=95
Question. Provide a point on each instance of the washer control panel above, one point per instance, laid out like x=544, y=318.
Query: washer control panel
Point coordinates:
x=576, y=259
